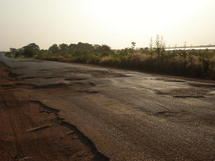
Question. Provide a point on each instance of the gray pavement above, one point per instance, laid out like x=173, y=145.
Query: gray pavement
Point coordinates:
x=129, y=116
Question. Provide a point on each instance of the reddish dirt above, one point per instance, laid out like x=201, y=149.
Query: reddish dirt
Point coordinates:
x=30, y=131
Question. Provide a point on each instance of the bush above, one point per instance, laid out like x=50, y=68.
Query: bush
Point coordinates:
x=192, y=63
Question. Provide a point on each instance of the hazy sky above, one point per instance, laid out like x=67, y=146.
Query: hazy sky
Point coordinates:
x=112, y=22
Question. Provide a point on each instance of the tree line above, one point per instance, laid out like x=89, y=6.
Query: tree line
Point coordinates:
x=78, y=49
x=191, y=63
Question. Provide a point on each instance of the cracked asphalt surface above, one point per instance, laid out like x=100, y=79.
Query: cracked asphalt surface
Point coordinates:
x=129, y=116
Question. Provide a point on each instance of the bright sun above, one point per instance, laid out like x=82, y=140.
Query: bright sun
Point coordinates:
x=134, y=20
x=145, y=14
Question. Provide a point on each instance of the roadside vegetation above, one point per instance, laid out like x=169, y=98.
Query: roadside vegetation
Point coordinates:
x=155, y=59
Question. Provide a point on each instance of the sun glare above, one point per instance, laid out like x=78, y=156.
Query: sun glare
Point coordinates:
x=113, y=22
x=127, y=15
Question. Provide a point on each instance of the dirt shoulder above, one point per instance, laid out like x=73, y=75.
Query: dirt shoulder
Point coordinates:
x=31, y=131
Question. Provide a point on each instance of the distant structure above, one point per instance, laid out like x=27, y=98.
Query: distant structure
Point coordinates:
x=191, y=46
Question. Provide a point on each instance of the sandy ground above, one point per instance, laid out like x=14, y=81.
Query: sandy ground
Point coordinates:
x=124, y=115
x=31, y=131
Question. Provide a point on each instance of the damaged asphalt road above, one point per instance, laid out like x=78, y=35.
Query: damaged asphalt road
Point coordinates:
x=129, y=116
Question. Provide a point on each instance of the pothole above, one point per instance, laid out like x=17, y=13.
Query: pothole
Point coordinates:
x=165, y=113
x=202, y=85
x=37, y=77
x=88, y=91
x=47, y=86
x=185, y=92
x=169, y=113
x=75, y=79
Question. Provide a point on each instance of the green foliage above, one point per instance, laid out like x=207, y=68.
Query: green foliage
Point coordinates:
x=26, y=51
x=191, y=63
x=30, y=50
x=54, y=49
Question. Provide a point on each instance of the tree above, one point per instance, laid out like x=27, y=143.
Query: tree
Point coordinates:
x=31, y=50
x=151, y=44
x=133, y=44
x=64, y=47
x=54, y=48
x=84, y=48
x=159, y=44
x=14, y=52
x=104, y=49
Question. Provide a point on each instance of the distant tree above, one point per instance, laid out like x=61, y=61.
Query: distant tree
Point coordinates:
x=64, y=47
x=53, y=49
x=103, y=50
x=84, y=48
x=162, y=42
x=159, y=44
x=31, y=50
x=14, y=52
x=151, y=44
x=133, y=44
x=96, y=46
x=72, y=46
